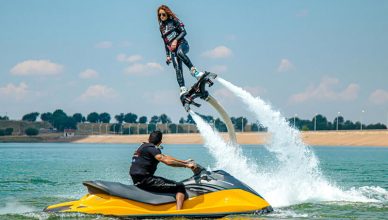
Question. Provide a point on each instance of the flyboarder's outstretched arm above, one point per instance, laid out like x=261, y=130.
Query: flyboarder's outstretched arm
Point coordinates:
x=171, y=161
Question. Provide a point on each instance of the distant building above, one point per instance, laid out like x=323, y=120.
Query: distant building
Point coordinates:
x=68, y=133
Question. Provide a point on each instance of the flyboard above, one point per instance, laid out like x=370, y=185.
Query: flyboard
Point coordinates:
x=198, y=90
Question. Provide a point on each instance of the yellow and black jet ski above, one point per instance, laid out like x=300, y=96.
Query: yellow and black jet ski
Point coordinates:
x=208, y=194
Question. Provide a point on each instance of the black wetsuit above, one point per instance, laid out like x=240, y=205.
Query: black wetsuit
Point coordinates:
x=173, y=29
x=143, y=168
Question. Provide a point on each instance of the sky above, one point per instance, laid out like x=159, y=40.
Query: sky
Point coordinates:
x=303, y=57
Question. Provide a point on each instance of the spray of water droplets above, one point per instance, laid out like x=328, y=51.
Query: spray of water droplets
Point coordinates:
x=295, y=177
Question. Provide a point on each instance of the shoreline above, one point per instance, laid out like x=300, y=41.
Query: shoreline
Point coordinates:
x=372, y=138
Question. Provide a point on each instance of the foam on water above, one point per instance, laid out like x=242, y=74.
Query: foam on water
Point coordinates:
x=295, y=177
x=12, y=206
x=279, y=213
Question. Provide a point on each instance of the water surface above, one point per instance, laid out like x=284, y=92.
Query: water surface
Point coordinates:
x=33, y=176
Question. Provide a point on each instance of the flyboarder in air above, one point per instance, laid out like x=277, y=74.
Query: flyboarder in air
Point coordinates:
x=177, y=47
x=173, y=33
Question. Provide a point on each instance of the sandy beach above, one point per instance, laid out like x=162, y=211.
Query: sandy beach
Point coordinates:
x=319, y=138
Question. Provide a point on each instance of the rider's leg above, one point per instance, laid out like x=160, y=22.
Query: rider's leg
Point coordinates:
x=182, y=50
x=163, y=185
x=177, y=62
x=180, y=198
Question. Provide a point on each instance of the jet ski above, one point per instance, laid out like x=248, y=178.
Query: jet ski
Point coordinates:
x=208, y=194
x=198, y=90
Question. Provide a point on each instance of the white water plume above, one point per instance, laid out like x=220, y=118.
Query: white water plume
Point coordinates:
x=295, y=178
x=227, y=156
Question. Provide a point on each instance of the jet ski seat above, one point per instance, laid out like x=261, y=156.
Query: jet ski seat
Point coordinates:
x=130, y=192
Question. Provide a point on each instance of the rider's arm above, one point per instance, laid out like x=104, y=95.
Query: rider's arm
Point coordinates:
x=165, y=45
x=172, y=158
x=167, y=50
x=170, y=161
x=181, y=30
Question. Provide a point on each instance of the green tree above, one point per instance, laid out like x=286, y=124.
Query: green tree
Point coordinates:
x=321, y=123
x=58, y=113
x=61, y=121
x=151, y=127
x=104, y=117
x=154, y=119
x=143, y=119
x=181, y=120
x=254, y=127
x=8, y=131
x=233, y=120
x=357, y=125
x=329, y=126
x=119, y=118
x=376, y=126
x=307, y=124
x=349, y=125
x=295, y=122
x=78, y=117
x=182, y=128
x=173, y=128
x=93, y=117
x=220, y=125
x=48, y=117
x=4, y=118
x=340, y=122
x=208, y=118
x=130, y=118
x=133, y=130
x=128, y=131
x=164, y=119
x=240, y=123
x=190, y=119
x=31, y=131
x=260, y=127
x=30, y=116
x=142, y=131
x=116, y=128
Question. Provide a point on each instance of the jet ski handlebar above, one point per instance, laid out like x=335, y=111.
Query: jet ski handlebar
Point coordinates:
x=198, y=169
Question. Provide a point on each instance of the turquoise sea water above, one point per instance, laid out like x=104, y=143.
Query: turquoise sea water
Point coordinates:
x=33, y=176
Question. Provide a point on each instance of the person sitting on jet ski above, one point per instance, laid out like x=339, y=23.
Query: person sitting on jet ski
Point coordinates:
x=173, y=33
x=144, y=164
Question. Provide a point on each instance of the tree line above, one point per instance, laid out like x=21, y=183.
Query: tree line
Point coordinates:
x=4, y=118
x=320, y=122
x=60, y=121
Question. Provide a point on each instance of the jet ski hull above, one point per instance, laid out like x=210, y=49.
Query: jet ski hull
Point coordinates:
x=214, y=204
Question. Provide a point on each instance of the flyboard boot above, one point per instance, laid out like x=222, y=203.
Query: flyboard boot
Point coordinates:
x=198, y=89
x=183, y=91
x=203, y=76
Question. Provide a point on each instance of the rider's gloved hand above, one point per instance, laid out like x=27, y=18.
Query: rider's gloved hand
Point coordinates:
x=168, y=60
x=191, y=165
